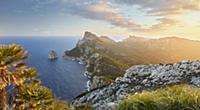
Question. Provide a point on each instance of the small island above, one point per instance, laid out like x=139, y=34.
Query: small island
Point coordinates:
x=52, y=55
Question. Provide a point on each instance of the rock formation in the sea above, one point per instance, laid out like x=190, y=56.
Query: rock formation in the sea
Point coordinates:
x=139, y=78
x=106, y=59
x=52, y=55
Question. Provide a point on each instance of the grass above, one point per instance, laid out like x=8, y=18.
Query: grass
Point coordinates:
x=62, y=105
x=178, y=97
x=84, y=107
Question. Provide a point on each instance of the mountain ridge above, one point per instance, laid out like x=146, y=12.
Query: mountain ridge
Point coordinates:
x=107, y=59
x=137, y=37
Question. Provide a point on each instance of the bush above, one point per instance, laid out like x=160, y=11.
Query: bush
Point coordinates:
x=84, y=107
x=61, y=105
x=178, y=97
x=33, y=97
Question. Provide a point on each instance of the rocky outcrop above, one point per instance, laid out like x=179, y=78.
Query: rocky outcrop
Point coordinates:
x=52, y=55
x=101, y=68
x=106, y=59
x=139, y=78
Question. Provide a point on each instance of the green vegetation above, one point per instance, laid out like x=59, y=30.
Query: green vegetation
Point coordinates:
x=110, y=67
x=84, y=107
x=179, y=97
x=74, y=52
x=33, y=97
x=61, y=105
x=13, y=70
x=28, y=94
x=118, y=56
x=107, y=67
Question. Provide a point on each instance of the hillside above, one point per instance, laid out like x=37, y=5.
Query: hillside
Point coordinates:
x=107, y=59
x=143, y=78
x=164, y=50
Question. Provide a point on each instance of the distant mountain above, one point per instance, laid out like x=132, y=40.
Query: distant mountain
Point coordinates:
x=107, y=59
x=165, y=50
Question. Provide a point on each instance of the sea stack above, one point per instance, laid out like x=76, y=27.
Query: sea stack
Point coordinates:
x=52, y=55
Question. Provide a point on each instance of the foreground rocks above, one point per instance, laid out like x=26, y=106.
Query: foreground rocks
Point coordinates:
x=142, y=77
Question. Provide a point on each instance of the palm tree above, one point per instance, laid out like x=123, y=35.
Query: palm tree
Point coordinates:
x=12, y=69
x=33, y=96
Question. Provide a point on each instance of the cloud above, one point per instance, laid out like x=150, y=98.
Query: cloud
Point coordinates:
x=164, y=7
x=164, y=24
x=166, y=10
x=107, y=10
x=99, y=10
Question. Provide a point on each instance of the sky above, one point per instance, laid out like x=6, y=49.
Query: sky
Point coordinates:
x=115, y=18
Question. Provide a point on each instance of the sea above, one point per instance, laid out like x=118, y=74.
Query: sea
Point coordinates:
x=64, y=77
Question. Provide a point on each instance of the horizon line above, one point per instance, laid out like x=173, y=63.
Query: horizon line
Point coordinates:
x=111, y=37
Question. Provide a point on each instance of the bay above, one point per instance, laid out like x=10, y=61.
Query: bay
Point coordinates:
x=64, y=77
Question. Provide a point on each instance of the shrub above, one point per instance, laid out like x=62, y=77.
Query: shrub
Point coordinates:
x=33, y=97
x=61, y=105
x=178, y=97
x=84, y=107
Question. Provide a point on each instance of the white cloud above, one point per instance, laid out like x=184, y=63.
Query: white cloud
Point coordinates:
x=167, y=10
x=99, y=10
x=107, y=10
x=164, y=7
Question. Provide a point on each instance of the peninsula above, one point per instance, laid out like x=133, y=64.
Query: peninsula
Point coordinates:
x=117, y=70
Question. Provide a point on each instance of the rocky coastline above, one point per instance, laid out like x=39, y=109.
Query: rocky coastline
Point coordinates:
x=88, y=51
x=112, y=76
x=84, y=54
x=106, y=59
x=139, y=78
x=86, y=73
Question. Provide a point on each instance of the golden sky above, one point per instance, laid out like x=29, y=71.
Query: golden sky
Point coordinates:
x=147, y=18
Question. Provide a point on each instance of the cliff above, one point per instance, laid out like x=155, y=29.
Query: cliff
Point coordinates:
x=106, y=59
x=139, y=78
x=102, y=68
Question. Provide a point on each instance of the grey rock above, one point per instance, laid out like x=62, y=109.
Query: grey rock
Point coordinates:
x=142, y=77
x=52, y=55
x=196, y=81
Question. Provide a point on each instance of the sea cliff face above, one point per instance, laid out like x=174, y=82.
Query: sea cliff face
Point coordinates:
x=118, y=69
x=106, y=59
x=101, y=68
x=139, y=78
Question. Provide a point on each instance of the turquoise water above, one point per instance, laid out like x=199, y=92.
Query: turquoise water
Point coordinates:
x=64, y=77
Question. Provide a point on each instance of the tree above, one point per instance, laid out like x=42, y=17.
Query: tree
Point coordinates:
x=33, y=96
x=13, y=69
